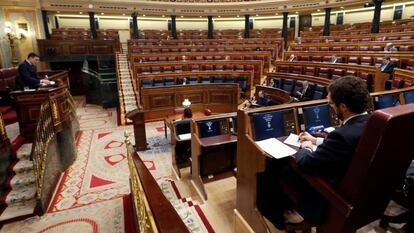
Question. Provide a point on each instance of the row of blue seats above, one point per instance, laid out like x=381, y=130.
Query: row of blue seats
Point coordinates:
x=293, y=86
x=169, y=81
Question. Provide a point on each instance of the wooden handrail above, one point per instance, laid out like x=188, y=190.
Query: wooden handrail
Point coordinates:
x=153, y=212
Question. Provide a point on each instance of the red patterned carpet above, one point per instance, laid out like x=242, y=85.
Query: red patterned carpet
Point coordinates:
x=99, y=173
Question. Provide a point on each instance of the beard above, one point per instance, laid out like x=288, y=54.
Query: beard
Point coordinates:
x=340, y=115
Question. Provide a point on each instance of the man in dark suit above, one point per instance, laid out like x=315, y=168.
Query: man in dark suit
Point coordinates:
x=27, y=73
x=262, y=100
x=387, y=65
x=306, y=93
x=349, y=97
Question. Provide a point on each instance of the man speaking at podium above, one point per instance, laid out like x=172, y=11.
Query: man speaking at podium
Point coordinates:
x=27, y=74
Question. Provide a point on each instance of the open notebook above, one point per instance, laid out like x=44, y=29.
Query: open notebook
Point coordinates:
x=275, y=148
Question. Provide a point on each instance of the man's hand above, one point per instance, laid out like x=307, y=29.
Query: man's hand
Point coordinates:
x=307, y=145
x=45, y=82
x=305, y=136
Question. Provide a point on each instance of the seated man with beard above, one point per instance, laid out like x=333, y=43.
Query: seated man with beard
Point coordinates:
x=349, y=97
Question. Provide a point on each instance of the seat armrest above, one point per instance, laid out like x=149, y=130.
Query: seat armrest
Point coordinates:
x=336, y=200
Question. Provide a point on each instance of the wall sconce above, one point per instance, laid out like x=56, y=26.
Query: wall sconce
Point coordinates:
x=186, y=103
x=13, y=35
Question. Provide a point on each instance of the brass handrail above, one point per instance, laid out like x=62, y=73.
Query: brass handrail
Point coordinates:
x=44, y=133
x=145, y=219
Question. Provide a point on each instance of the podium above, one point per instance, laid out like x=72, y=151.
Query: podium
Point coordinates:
x=379, y=81
x=28, y=105
x=137, y=118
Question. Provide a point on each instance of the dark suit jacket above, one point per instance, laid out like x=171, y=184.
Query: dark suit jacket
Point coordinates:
x=307, y=95
x=332, y=158
x=27, y=76
x=389, y=68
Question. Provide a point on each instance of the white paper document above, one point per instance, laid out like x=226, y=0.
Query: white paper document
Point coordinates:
x=186, y=136
x=275, y=148
x=293, y=140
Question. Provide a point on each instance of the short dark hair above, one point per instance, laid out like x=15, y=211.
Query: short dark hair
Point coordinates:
x=386, y=58
x=351, y=91
x=32, y=55
x=188, y=113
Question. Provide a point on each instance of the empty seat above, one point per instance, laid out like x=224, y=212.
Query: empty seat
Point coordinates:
x=199, y=58
x=228, y=67
x=218, y=67
x=171, y=59
x=397, y=84
x=218, y=79
x=316, y=58
x=288, y=85
x=304, y=58
x=367, y=61
x=324, y=48
x=353, y=60
x=297, y=69
x=324, y=73
x=313, y=49
x=377, y=48
x=195, y=68
x=162, y=59
x=178, y=69
x=350, y=48
x=249, y=68
x=406, y=48
x=242, y=81
x=218, y=58
x=363, y=48
x=145, y=70
x=410, y=64
x=309, y=71
x=239, y=67
x=193, y=79
x=337, y=73
x=377, y=61
x=205, y=79
x=158, y=82
x=152, y=59
x=351, y=72
x=146, y=82
x=397, y=62
x=208, y=67
x=155, y=69
x=282, y=69
x=169, y=81
x=336, y=48
x=229, y=79
x=319, y=92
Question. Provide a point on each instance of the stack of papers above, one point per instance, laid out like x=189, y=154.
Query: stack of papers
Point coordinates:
x=186, y=136
x=293, y=140
x=275, y=148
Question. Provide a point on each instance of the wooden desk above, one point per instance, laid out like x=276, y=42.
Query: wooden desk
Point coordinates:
x=276, y=95
x=214, y=155
x=159, y=102
x=28, y=108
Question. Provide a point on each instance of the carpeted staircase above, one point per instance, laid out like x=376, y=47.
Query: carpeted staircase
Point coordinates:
x=128, y=98
x=9, y=114
x=189, y=211
x=17, y=199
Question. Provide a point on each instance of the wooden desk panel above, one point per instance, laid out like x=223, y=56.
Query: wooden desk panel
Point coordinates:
x=57, y=48
x=338, y=38
x=302, y=77
x=158, y=102
x=235, y=55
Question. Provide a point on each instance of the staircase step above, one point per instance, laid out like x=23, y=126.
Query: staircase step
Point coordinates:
x=18, y=209
x=22, y=166
x=20, y=195
x=22, y=180
x=24, y=151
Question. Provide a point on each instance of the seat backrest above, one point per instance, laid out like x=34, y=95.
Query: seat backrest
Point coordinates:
x=379, y=164
x=182, y=127
x=385, y=101
x=298, y=87
x=147, y=82
x=319, y=92
x=288, y=85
